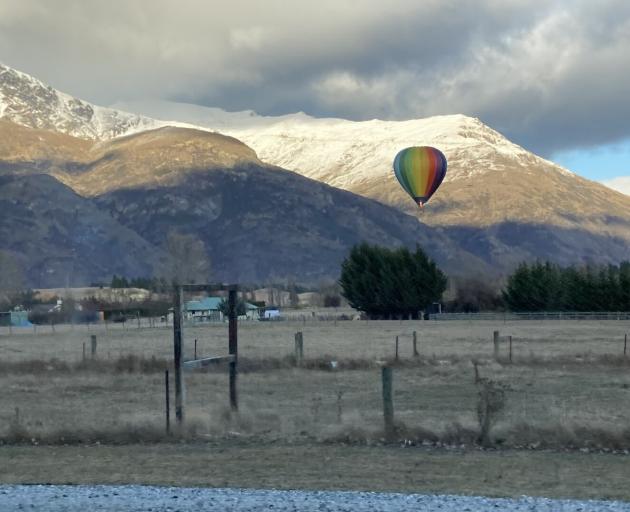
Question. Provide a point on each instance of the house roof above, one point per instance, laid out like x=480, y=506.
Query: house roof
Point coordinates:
x=210, y=304
x=207, y=304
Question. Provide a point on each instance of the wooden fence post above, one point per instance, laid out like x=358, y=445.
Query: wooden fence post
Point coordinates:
x=93, y=345
x=388, y=401
x=495, y=339
x=177, y=349
x=168, y=404
x=195, y=349
x=83, y=352
x=299, y=348
x=510, y=340
x=396, y=348
x=415, y=344
x=625, y=344
x=233, y=347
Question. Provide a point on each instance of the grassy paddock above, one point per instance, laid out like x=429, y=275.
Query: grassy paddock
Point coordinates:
x=308, y=466
x=555, y=405
x=342, y=339
x=568, y=384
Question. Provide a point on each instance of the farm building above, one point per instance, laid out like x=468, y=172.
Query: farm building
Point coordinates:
x=207, y=310
x=14, y=319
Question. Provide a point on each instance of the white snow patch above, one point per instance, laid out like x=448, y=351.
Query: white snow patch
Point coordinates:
x=620, y=184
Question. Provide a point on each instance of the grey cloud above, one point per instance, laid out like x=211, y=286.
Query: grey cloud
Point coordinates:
x=551, y=75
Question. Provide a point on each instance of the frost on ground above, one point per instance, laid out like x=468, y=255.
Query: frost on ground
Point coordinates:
x=128, y=498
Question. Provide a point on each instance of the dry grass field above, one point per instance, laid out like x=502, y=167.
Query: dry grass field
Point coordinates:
x=341, y=339
x=317, y=466
x=567, y=390
x=568, y=383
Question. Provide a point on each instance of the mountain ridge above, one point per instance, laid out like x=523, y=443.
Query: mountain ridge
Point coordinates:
x=490, y=180
x=29, y=102
x=257, y=222
x=494, y=189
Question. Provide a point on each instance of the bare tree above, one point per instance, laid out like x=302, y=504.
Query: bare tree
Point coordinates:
x=294, y=299
x=188, y=261
x=11, y=278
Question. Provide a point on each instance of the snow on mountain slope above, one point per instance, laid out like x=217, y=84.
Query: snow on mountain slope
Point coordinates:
x=27, y=101
x=621, y=184
x=489, y=180
x=499, y=202
x=344, y=153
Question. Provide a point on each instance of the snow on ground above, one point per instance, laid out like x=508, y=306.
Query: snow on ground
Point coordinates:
x=132, y=498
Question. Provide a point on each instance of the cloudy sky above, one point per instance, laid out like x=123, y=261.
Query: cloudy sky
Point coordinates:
x=553, y=76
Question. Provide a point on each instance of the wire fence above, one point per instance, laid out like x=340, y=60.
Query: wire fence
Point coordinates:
x=550, y=382
x=541, y=315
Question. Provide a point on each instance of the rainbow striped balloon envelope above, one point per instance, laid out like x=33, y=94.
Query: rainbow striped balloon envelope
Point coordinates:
x=420, y=171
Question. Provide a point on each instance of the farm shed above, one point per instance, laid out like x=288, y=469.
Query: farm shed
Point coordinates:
x=14, y=319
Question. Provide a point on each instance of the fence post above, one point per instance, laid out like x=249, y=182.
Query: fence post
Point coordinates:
x=388, y=401
x=168, y=405
x=510, y=339
x=495, y=339
x=93, y=345
x=195, y=349
x=233, y=346
x=177, y=349
x=415, y=344
x=83, y=352
x=396, y=348
x=625, y=344
x=299, y=348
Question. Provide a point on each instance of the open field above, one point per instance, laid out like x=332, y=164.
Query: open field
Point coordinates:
x=308, y=466
x=567, y=390
x=568, y=385
x=341, y=339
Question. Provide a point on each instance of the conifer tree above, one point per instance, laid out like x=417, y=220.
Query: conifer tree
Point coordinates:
x=388, y=283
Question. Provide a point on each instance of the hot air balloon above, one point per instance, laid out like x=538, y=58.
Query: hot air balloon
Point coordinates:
x=420, y=171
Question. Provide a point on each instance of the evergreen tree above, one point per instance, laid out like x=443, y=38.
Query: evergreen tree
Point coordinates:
x=547, y=287
x=518, y=291
x=624, y=286
x=388, y=283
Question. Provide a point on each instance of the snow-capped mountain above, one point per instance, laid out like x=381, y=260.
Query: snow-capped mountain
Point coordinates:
x=499, y=202
x=502, y=202
x=345, y=153
x=27, y=101
x=489, y=178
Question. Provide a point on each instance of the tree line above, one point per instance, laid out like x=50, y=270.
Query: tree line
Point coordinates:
x=549, y=287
